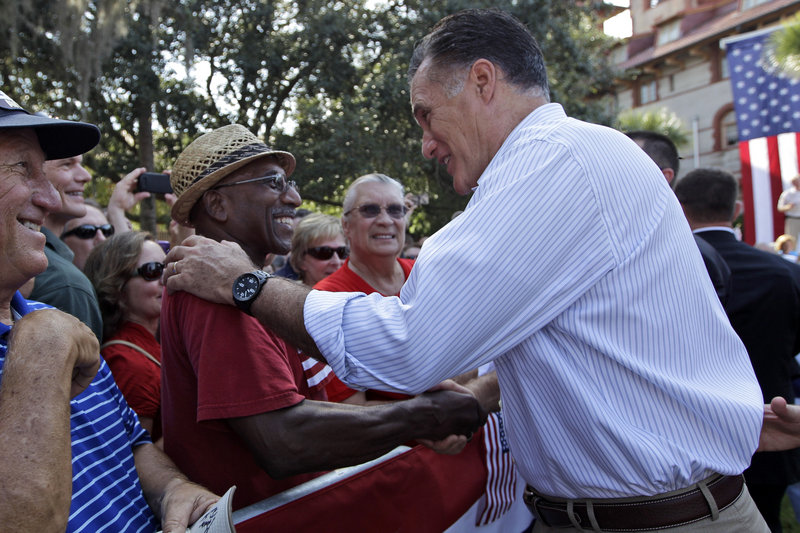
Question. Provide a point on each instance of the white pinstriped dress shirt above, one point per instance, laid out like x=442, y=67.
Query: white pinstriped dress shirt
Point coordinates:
x=574, y=270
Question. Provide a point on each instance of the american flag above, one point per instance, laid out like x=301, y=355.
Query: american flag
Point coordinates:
x=767, y=106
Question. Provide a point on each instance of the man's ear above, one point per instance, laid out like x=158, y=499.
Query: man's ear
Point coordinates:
x=669, y=174
x=738, y=209
x=346, y=227
x=215, y=205
x=483, y=74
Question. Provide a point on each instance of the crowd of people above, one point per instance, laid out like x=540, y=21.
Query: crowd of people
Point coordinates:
x=138, y=385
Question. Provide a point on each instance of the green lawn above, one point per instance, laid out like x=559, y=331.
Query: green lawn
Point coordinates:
x=788, y=519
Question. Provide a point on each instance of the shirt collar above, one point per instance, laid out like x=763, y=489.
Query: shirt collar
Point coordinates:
x=715, y=228
x=550, y=112
x=19, y=308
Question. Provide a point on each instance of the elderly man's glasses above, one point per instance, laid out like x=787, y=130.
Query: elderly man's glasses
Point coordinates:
x=323, y=253
x=88, y=231
x=373, y=210
x=150, y=271
x=276, y=182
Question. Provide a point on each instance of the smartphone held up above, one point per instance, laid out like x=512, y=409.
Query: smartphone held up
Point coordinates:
x=154, y=182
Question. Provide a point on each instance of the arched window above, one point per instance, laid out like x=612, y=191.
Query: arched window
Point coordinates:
x=726, y=134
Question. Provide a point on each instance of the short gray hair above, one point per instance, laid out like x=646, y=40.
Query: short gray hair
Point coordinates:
x=351, y=193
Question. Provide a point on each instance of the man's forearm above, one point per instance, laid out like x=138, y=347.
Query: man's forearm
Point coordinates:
x=313, y=436
x=176, y=501
x=280, y=308
x=35, y=454
x=156, y=473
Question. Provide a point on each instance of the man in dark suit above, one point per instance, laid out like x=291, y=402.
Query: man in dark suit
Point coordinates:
x=764, y=309
x=664, y=153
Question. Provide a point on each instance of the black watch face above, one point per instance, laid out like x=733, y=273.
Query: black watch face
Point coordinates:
x=246, y=286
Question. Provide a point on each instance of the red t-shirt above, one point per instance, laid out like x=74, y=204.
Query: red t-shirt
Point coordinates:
x=345, y=280
x=220, y=363
x=137, y=377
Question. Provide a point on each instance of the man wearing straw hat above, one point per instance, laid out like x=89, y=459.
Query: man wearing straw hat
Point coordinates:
x=238, y=405
x=610, y=406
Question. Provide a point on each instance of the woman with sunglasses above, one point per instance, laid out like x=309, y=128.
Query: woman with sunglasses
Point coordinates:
x=374, y=225
x=126, y=273
x=84, y=233
x=318, y=248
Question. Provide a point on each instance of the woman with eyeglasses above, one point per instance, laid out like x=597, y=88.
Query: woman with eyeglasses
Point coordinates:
x=126, y=273
x=318, y=247
x=374, y=226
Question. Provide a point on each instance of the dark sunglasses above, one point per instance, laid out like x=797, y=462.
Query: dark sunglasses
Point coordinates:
x=150, y=271
x=373, y=210
x=276, y=182
x=88, y=231
x=323, y=253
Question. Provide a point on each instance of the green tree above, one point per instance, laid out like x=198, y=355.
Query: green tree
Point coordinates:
x=785, y=42
x=323, y=78
x=371, y=129
x=661, y=120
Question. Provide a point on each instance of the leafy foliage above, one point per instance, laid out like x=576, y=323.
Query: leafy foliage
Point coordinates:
x=325, y=79
x=661, y=120
x=786, y=47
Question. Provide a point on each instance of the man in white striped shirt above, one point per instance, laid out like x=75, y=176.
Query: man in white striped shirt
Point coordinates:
x=631, y=404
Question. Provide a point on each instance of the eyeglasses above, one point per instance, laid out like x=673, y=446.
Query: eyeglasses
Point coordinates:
x=150, y=271
x=88, y=231
x=323, y=253
x=276, y=182
x=373, y=210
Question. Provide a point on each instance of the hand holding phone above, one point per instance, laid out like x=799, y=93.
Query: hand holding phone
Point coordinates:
x=154, y=182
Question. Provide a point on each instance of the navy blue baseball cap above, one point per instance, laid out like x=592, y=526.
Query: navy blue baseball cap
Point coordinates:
x=58, y=138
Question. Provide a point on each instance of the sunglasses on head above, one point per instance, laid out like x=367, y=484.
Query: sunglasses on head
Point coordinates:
x=373, y=210
x=150, y=271
x=88, y=231
x=323, y=253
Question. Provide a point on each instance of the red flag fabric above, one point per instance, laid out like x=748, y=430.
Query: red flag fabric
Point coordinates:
x=767, y=106
x=417, y=490
x=768, y=165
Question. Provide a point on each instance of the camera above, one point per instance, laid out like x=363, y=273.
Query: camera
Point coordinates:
x=421, y=199
x=154, y=182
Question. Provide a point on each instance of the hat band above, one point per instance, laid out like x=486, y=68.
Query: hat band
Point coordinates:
x=240, y=153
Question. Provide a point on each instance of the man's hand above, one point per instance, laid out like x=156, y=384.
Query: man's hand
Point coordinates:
x=177, y=231
x=183, y=504
x=451, y=413
x=56, y=337
x=206, y=268
x=123, y=198
x=781, y=429
x=452, y=444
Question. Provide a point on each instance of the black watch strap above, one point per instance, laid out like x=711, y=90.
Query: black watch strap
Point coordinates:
x=247, y=287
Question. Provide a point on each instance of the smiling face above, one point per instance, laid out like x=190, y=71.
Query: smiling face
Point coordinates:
x=68, y=177
x=378, y=236
x=313, y=269
x=258, y=217
x=140, y=299
x=450, y=128
x=82, y=247
x=25, y=199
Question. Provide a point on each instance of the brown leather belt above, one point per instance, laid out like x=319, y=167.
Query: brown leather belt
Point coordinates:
x=635, y=514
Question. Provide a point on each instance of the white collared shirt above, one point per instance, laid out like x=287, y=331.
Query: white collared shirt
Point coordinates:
x=574, y=270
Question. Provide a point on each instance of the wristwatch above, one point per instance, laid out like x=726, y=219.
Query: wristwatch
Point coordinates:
x=246, y=288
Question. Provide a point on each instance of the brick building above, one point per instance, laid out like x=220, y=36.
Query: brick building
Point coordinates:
x=673, y=60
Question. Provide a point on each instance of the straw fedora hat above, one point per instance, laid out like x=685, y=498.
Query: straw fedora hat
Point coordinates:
x=211, y=157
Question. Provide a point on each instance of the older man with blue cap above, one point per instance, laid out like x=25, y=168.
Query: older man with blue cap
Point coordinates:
x=72, y=453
